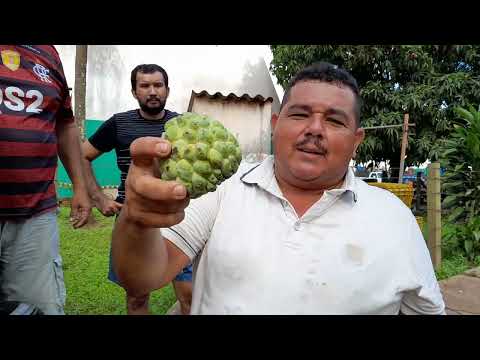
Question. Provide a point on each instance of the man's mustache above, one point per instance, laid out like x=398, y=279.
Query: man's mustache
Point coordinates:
x=311, y=141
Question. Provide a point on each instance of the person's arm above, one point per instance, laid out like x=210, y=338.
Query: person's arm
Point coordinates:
x=69, y=152
x=426, y=298
x=68, y=145
x=143, y=259
x=106, y=206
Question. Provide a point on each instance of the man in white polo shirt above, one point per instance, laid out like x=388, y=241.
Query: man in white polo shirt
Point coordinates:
x=292, y=235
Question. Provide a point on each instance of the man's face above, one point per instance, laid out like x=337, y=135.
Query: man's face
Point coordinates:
x=315, y=135
x=151, y=92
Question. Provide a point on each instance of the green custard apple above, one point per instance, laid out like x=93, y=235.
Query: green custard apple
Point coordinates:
x=204, y=153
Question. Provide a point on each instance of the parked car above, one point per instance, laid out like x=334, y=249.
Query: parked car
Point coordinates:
x=374, y=176
x=378, y=175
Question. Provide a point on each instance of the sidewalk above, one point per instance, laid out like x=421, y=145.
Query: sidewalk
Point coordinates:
x=461, y=293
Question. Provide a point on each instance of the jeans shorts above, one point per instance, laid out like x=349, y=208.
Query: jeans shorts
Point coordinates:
x=30, y=263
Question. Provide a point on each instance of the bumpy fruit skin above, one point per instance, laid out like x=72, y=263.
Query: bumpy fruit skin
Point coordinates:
x=204, y=153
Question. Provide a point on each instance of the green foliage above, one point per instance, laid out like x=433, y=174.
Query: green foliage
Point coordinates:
x=454, y=258
x=460, y=155
x=464, y=239
x=427, y=81
x=455, y=265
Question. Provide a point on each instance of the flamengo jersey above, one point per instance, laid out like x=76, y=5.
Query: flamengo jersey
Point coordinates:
x=33, y=97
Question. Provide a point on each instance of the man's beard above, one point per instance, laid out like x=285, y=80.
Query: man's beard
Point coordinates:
x=153, y=110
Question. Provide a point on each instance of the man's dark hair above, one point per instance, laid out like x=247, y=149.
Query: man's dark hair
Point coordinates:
x=147, y=69
x=329, y=73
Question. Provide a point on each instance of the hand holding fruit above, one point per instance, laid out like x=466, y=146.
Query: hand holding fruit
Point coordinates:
x=195, y=156
x=150, y=201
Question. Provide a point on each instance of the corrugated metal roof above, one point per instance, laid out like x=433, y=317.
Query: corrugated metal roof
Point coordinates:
x=231, y=96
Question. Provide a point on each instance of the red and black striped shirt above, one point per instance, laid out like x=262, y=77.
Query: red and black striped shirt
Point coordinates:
x=33, y=97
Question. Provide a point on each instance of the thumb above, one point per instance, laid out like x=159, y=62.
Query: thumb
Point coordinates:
x=145, y=149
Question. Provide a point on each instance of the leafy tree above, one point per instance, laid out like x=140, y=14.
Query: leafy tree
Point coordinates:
x=427, y=81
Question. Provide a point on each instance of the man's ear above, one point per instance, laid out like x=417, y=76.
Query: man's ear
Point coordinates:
x=359, y=136
x=134, y=94
x=168, y=91
x=274, y=121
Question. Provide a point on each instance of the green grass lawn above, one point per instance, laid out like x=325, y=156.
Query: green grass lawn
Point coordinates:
x=85, y=254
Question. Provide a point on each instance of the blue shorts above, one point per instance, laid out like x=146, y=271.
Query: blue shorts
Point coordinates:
x=184, y=275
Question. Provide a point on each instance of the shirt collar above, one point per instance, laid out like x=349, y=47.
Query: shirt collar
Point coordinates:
x=263, y=175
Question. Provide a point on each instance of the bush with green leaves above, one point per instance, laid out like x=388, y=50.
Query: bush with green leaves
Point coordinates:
x=461, y=158
x=464, y=238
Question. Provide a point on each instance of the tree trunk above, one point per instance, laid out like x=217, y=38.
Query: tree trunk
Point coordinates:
x=80, y=87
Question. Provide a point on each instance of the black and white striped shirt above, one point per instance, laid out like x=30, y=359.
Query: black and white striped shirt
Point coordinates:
x=120, y=131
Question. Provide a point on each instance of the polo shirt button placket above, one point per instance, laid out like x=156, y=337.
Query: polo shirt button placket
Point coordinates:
x=297, y=225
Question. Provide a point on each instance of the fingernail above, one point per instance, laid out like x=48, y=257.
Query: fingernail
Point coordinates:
x=162, y=148
x=179, y=191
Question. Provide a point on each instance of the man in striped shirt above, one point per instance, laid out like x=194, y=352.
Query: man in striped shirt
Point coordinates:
x=36, y=126
x=150, y=89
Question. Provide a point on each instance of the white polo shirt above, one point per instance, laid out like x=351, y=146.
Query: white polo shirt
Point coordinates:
x=358, y=250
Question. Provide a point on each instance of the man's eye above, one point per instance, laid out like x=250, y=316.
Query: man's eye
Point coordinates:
x=334, y=121
x=299, y=115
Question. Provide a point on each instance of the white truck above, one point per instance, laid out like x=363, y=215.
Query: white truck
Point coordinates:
x=374, y=176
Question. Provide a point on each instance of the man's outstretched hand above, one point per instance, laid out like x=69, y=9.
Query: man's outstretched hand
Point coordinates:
x=150, y=201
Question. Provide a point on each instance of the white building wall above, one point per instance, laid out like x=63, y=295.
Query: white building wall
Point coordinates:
x=227, y=68
x=248, y=121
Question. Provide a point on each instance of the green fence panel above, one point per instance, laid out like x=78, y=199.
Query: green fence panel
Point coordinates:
x=105, y=167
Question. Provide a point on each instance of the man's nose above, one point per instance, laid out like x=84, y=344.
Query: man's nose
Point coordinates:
x=316, y=126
